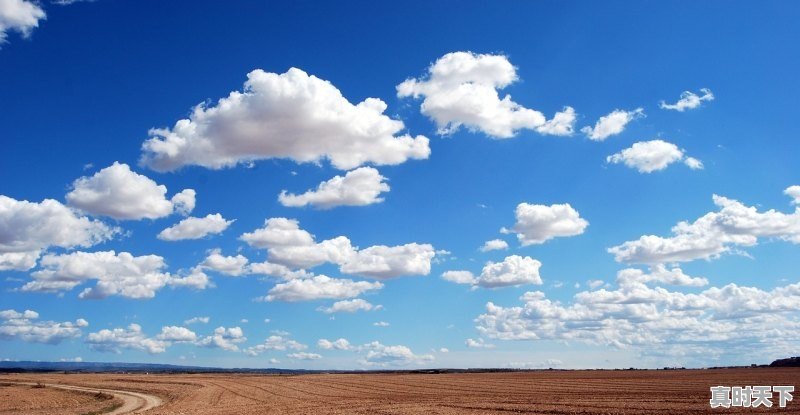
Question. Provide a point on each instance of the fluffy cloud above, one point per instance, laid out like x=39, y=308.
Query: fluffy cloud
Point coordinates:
x=291, y=115
x=26, y=326
x=350, y=306
x=118, y=192
x=340, y=344
x=28, y=228
x=654, y=155
x=275, y=342
x=319, y=287
x=228, y=265
x=359, y=187
x=794, y=193
x=514, y=270
x=689, y=100
x=224, y=338
x=194, y=320
x=478, y=344
x=494, y=245
x=195, y=228
x=461, y=89
x=177, y=334
x=636, y=314
x=536, y=224
x=293, y=247
x=377, y=354
x=21, y=16
x=130, y=338
x=734, y=225
x=116, y=274
x=611, y=124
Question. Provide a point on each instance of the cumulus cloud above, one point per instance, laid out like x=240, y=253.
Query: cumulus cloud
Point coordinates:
x=21, y=16
x=118, y=192
x=794, y=193
x=637, y=314
x=318, y=288
x=27, y=327
x=275, y=342
x=733, y=225
x=537, y=224
x=350, y=306
x=494, y=245
x=224, y=338
x=115, y=274
x=461, y=89
x=177, y=334
x=339, y=344
x=689, y=100
x=654, y=155
x=291, y=115
x=117, y=339
x=513, y=271
x=194, y=320
x=478, y=344
x=195, y=228
x=28, y=228
x=611, y=124
x=377, y=354
x=359, y=187
x=228, y=265
x=293, y=247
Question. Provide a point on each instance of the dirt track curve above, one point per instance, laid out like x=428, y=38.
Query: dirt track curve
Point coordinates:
x=132, y=402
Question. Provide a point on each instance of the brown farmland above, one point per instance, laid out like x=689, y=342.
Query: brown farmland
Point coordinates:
x=538, y=392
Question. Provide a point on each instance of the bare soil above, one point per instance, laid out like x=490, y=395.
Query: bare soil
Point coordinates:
x=667, y=392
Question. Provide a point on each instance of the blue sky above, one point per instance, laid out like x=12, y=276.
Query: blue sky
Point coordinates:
x=451, y=107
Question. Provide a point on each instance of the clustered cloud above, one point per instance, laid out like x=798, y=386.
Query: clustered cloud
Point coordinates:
x=359, y=187
x=653, y=155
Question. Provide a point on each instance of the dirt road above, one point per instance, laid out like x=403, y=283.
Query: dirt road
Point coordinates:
x=132, y=402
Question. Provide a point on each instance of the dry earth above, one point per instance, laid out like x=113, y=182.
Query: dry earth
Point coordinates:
x=540, y=392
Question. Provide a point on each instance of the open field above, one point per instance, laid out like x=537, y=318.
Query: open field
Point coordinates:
x=539, y=392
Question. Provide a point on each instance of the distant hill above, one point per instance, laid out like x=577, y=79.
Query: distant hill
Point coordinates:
x=788, y=362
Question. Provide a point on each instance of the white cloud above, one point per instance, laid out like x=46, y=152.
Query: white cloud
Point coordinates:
x=195, y=228
x=318, y=288
x=194, y=320
x=197, y=279
x=461, y=89
x=116, y=274
x=444, y=350
x=494, y=245
x=794, y=193
x=26, y=326
x=131, y=338
x=304, y=356
x=118, y=192
x=478, y=344
x=224, y=338
x=711, y=235
x=611, y=124
x=594, y=284
x=28, y=228
x=177, y=334
x=228, y=265
x=380, y=324
x=350, y=306
x=275, y=342
x=654, y=155
x=689, y=100
x=459, y=277
x=359, y=187
x=293, y=247
x=339, y=344
x=730, y=318
x=21, y=16
x=536, y=224
x=514, y=270
x=291, y=115
x=377, y=354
